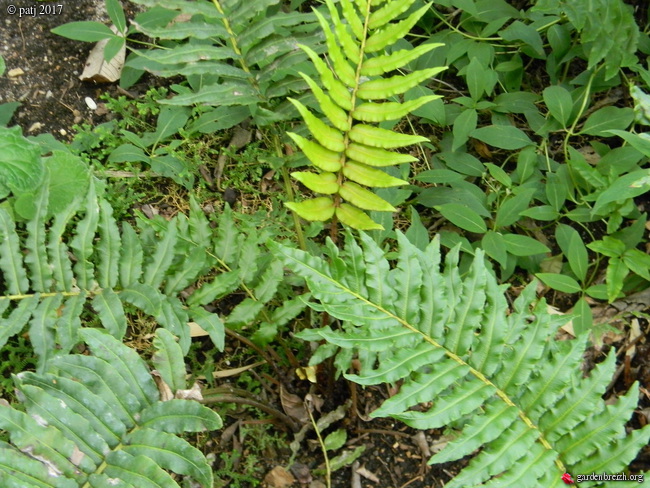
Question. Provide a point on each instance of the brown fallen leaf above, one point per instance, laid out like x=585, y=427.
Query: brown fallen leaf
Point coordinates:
x=163, y=388
x=293, y=406
x=279, y=477
x=99, y=70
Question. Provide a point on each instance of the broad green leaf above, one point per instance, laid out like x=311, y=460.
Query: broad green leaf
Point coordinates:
x=127, y=153
x=463, y=217
x=578, y=257
x=464, y=125
x=87, y=31
x=627, y=186
x=170, y=120
x=69, y=177
x=509, y=211
x=520, y=245
x=608, y=246
x=641, y=142
x=116, y=14
x=615, y=275
x=335, y=440
x=542, y=212
x=502, y=136
x=556, y=190
x=638, y=262
x=583, y=319
x=21, y=167
x=559, y=103
x=606, y=119
x=417, y=233
x=499, y=174
x=494, y=246
x=560, y=282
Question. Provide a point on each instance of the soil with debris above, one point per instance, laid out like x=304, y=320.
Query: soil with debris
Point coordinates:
x=43, y=68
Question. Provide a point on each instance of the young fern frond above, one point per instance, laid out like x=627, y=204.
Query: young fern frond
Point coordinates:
x=49, y=282
x=98, y=421
x=515, y=396
x=347, y=151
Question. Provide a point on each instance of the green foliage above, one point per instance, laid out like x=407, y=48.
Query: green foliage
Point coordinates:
x=97, y=421
x=240, y=58
x=349, y=152
x=507, y=387
x=23, y=172
x=115, y=270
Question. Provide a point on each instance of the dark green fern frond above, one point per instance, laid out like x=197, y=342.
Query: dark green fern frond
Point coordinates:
x=516, y=396
x=97, y=421
x=238, y=55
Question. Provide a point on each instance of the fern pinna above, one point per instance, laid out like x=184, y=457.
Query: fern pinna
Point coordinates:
x=348, y=150
x=515, y=396
x=98, y=422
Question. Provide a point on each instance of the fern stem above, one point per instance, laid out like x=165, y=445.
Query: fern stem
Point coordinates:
x=328, y=470
x=42, y=295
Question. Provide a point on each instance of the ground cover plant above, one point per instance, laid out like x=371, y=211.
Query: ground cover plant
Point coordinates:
x=473, y=162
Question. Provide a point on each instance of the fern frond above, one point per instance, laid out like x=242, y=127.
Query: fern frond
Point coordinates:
x=98, y=421
x=256, y=70
x=515, y=396
x=359, y=30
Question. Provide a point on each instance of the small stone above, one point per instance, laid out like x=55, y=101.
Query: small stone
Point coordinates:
x=15, y=73
x=91, y=103
x=34, y=127
x=63, y=132
x=49, y=94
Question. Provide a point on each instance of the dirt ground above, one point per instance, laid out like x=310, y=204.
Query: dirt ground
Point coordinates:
x=53, y=100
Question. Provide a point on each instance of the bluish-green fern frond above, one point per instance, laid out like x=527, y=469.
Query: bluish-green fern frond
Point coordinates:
x=515, y=395
x=240, y=57
x=98, y=421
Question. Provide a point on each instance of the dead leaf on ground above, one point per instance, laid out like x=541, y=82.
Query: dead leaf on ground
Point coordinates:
x=293, y=406
x=193, y=393
x=99, y=70
x=163, y=388
x=279, y=477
